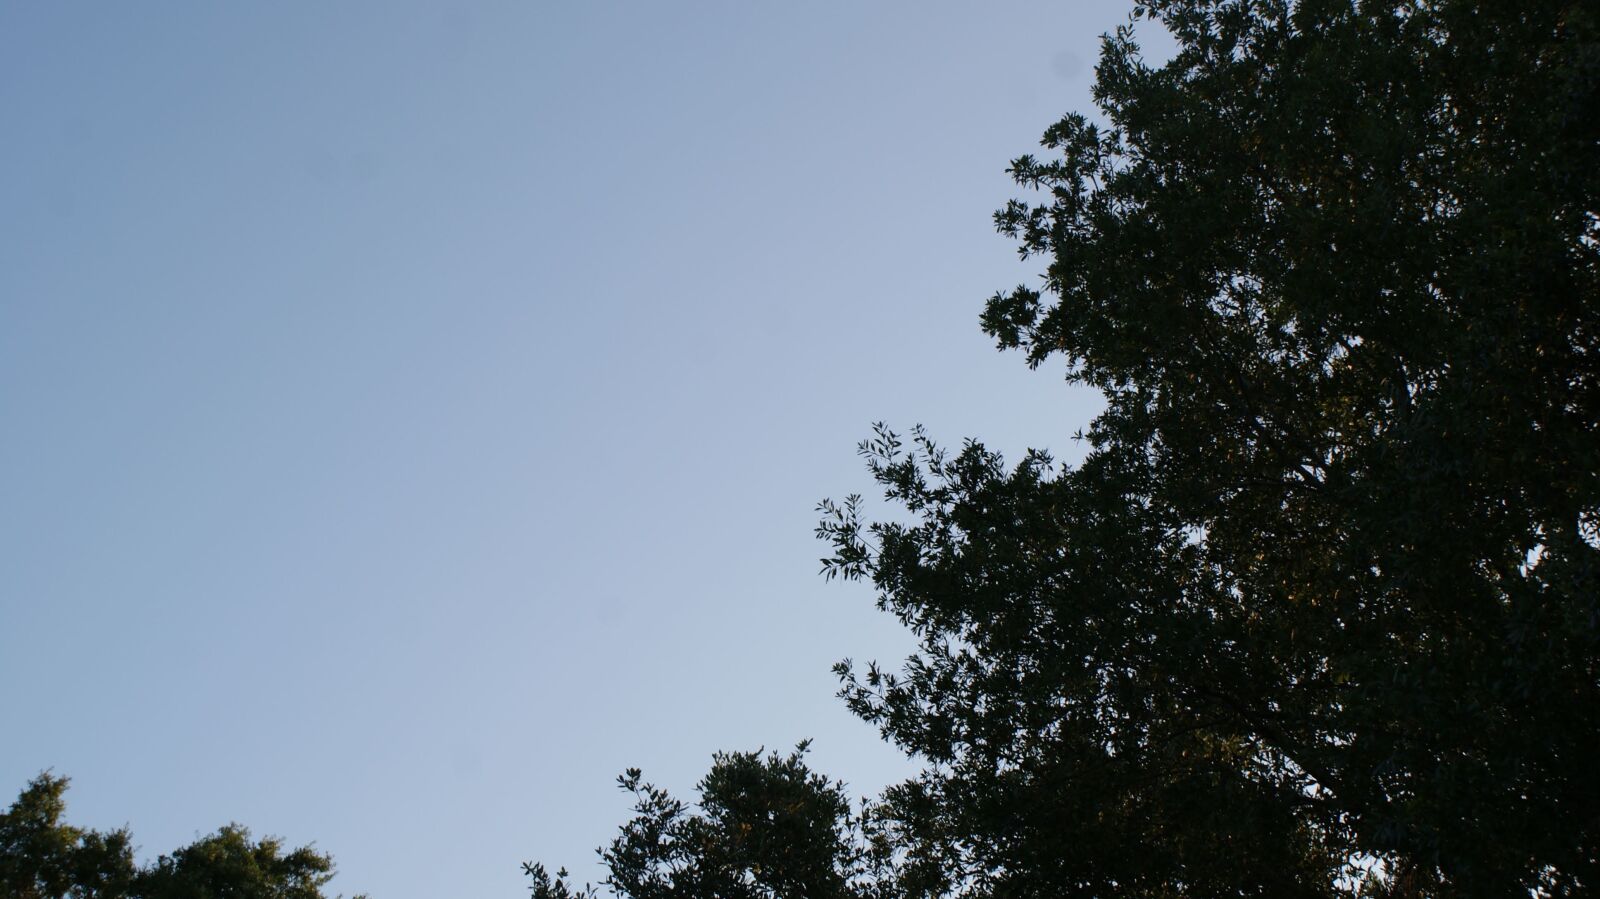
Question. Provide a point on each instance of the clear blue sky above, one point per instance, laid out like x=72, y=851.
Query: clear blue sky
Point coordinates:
x=412, y=414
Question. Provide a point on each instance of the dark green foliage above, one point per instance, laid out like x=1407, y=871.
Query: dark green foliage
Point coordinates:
x=230, y=864
x=1319, y=612
x=43, y=858
x=764, y=828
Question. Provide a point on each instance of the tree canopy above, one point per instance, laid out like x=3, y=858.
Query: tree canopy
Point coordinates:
x=1320, y=602
x=762, y=828
x=1318, y=612
x=42, y=857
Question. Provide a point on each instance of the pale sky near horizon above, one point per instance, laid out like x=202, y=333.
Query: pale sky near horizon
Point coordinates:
x=414, y=412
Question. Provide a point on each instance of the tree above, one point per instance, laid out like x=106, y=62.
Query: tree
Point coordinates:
x=763, y=828
x=230, y=864
x=43, y=858
x=1318, y=613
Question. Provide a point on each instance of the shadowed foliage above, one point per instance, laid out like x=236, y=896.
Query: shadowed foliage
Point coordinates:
x=41, y=857
x=762, y=828
x=1318, y=612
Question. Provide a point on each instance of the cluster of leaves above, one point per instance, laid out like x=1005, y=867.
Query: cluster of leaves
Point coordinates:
x=1318, y=614
x=41, y=857
x=763, y=828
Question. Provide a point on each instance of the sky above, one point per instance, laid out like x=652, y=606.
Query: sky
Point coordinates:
x=413, y=414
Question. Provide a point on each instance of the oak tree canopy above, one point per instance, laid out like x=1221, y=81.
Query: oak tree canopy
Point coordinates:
x=1318, y=613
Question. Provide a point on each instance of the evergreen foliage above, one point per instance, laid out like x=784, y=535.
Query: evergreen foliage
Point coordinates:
x=42, y=857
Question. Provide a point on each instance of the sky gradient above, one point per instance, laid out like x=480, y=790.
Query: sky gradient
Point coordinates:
x=414, y=413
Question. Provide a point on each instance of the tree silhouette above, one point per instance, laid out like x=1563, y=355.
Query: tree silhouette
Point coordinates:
x=762, y=828
x=1318, y=613
x=42, y=857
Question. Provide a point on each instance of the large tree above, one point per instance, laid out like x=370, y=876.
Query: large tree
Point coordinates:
x=1318, y=613
x=43, y=857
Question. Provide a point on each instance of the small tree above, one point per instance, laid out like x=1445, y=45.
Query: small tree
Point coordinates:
x=41, y=857
x=763, y=828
